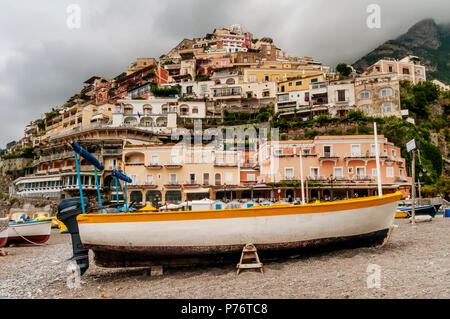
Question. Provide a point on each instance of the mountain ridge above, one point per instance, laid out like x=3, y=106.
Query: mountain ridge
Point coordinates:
x=425, y=39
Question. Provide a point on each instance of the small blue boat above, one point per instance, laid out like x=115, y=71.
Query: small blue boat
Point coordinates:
x=420, y=210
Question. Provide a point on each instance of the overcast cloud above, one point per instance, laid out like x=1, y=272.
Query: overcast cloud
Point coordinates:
x=43, y=62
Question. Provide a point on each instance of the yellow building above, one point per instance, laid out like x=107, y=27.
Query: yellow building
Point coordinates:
x=276, y=73
x=174, y=173
x=299, y=83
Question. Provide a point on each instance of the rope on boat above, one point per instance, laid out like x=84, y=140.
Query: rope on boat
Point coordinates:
x=26, y=239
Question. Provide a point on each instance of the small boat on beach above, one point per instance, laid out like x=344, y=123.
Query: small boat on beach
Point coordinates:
x=4, y=224
x=419, y=210
x=29, y=232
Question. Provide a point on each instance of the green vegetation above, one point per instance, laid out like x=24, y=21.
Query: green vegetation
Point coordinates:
x=343, y=69
x=264, y=114
x=201, y=78
x=165, y=91
x=148, y=75
x=26, y=152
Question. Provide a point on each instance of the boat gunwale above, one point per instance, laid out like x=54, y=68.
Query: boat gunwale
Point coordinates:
x=255, y=211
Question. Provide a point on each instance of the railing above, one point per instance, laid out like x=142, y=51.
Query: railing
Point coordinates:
x=41, y=172
x=67, y=168
x=317, y=178
x=191, y=183
x=107, y=151
x=54, y=170
x=362, y=178
x=329, y=155
x=401, y=179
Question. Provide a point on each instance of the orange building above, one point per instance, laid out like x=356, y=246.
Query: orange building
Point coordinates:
x=334, y=167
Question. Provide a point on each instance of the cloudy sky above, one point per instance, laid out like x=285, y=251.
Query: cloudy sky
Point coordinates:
x=43, y=62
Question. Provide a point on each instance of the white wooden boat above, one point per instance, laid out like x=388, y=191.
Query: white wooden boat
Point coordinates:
x=4, y=224
x=142, y=239
x=28, y=233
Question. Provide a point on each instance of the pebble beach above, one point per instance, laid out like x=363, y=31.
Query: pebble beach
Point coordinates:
x=415, y=263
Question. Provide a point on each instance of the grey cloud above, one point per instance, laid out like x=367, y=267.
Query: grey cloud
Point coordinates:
x=43, y=63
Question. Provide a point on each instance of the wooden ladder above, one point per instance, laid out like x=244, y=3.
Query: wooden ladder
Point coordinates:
x=249, y=252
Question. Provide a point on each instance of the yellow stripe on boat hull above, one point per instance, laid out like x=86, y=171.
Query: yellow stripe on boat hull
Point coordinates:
x=259, y=211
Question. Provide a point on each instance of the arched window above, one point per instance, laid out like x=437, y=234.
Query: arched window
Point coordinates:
x=367, y=109
x=366, y=94
x=147, y=109
x=153, y=197
x=136, y=196
x=173, y=197
x=230, y=81
x=387, y=107
x=386, y=92
x=194, y=110
x=164, y=109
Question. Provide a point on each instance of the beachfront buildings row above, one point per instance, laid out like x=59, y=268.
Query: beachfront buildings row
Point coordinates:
x=333, y=167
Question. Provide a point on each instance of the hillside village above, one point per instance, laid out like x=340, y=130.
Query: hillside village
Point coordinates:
x=229, y=79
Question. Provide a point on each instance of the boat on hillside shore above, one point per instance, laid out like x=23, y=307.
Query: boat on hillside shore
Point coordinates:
x=419, y=210
x=184, y=237
x=29, y=232
x=4, y=224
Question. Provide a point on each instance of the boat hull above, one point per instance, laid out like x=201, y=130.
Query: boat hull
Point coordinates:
x=3, y=231
x=29, y=233
x=420, y=210
x=120, y=240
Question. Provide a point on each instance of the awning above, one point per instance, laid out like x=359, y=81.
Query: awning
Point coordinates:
x=197, y=190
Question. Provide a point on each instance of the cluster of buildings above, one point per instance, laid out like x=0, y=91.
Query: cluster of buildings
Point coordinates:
x=127, y=122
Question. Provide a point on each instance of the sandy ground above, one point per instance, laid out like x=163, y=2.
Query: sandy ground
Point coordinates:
x=414, y=264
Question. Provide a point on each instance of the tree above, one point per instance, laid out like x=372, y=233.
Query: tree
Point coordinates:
x=343, y=69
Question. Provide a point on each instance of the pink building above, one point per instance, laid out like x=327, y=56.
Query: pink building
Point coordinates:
x=406, y=69
x=334, y=166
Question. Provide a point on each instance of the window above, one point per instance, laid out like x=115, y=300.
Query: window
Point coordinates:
x=228, y=177
x=364, y=95
x=393, y=153
x=218, y=179
x=401, y=172
x=155, y=159
x=390, y=68
x=361, y=171
x=298, y=83
x=327, y=151
x=306, y=151
x=341, y=95
x=389, y=172
x=266, y=93
x=367, y=109
x=192, y=178
x=350, y=170
x=355, y=149
x=150, y=180
x=189, y=89
x=173, y=178
x=252, y=78
x=313, y=80
x=314, y=172
x=374, y=172
x=205, y=178
x=134, y=180
x=405, y=70
x=245, y=60
x=289, y=172
x=386, y=92
x=386, y=107
x=282, y=88
x=266, y=78
x=195, y=110
x=338, y=172
x=173, y=159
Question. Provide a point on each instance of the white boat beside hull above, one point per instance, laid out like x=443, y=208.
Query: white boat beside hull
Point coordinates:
x=28, y=233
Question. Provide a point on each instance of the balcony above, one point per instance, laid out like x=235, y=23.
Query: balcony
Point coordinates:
x=173, y=165
x=191, y=183
x=86, y=167
x=328, y=155
x=400, y=179
x=111, y=152
x=317, y=178
x=146, y=185
x=362, y=178
x=54, y=170
x=153, y=166
x=67, y=169
x=134, y=163
x=41, y=172
x=173, y=184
